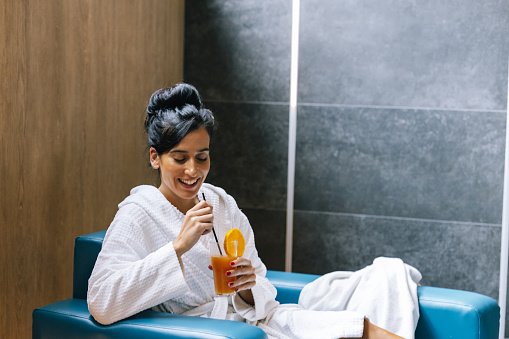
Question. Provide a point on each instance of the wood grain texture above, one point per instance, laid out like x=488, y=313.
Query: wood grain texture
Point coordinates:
x=75, y=77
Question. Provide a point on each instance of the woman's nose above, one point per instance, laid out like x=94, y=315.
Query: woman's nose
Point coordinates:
x=191, y=169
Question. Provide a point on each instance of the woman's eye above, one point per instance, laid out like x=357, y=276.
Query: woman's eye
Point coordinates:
x=201, y=159
x=180, y=160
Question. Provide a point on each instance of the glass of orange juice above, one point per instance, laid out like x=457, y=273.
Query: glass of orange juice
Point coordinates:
x=220, y=265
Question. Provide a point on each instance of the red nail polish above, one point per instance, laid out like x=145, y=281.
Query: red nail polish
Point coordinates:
x=228, y=273
x=230, y=284
x=232, y=264
x=236, y=290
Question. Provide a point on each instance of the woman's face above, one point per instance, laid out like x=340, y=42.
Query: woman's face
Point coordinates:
x=184, y=168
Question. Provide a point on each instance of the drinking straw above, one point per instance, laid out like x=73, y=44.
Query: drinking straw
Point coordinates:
x=213, y=230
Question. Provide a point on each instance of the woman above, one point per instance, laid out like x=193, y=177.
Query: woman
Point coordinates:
x=155, y=252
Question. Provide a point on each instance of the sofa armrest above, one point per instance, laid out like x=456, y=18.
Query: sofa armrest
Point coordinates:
x=70, y=319
x=289, y=285
x=447, y=313
x=444, y=313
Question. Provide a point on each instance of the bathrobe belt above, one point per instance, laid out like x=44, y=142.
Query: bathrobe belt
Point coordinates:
x=217, y=308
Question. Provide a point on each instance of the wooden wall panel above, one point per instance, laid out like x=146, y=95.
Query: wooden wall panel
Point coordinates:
x=75, y=77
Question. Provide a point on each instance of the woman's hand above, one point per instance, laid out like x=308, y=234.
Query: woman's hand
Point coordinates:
x=198, y=222
x=245, y=278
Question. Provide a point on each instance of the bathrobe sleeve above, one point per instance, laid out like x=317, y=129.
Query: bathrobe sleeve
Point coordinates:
x=264, y=293
x=127, y=277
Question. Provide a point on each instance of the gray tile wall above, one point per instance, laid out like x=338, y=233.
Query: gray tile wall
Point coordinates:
x=400, y=137
x=429, y=164
x=450, y=255
x=439, y=54
x=237, y=53
x=238, y=50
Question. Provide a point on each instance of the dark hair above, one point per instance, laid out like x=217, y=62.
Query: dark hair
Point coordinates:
x=172, y=113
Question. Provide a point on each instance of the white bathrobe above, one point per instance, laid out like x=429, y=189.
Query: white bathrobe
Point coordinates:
x=138, y=269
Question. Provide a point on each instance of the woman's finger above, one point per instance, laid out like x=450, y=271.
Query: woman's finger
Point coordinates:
x=240, y=271
x=241, y=284
x=201, y=207
x=201, y=212
x=246, y=286
x=240, y=262
x=244, y=279
x=206, y=218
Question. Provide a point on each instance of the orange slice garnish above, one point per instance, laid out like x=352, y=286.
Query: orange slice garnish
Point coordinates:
x=234, y=235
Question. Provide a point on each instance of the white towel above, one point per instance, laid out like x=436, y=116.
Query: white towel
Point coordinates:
x=385, y=292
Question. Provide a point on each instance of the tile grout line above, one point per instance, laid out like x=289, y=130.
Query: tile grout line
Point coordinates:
x=390, y=217
x=401, y=108
x=406, y=108
x=374, y=216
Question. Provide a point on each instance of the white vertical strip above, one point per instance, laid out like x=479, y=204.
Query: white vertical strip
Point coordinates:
x=292, y=133
x=504, y=251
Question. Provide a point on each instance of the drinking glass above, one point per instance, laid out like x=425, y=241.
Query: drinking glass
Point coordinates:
x=220, y=265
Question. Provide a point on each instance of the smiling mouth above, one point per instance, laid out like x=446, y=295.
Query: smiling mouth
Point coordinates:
x=189, y=182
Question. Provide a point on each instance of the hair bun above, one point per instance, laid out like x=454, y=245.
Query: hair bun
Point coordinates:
x=174, y=98
x=174, y=112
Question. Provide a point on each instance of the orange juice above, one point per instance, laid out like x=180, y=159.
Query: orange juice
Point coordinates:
x=220, y=265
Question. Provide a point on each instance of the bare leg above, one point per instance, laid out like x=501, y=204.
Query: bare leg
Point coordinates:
x=374, y=332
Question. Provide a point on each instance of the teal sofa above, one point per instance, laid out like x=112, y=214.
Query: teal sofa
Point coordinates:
x=444, y=313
